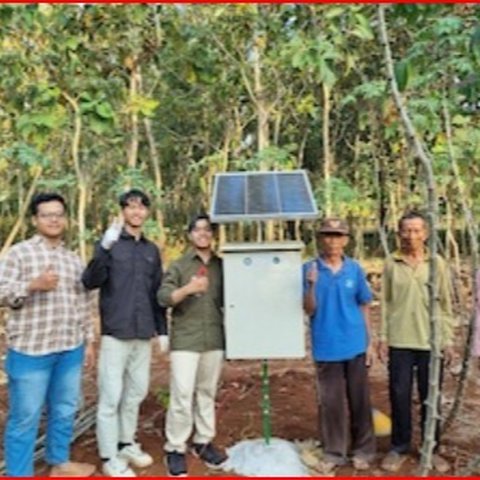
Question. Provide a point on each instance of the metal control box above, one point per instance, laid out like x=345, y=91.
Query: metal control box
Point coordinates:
x=263, y=300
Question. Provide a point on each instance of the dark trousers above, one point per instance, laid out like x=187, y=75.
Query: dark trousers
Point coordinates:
x=402, y=365
x=344, y=393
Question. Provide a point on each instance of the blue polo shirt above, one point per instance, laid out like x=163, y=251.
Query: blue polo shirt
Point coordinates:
x=338, y=328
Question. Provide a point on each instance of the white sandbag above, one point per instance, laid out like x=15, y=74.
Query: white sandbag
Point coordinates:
x=254, y=458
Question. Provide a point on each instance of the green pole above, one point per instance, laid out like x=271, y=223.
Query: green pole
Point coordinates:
x=266, y=408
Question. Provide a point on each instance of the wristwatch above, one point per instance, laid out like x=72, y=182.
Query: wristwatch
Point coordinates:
x=16, y=303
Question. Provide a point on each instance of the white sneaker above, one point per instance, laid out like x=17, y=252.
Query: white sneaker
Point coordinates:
x=117, y=467
x=136, y=456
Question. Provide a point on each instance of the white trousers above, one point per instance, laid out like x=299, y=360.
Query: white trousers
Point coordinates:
x=193, y=386
x=123, y=381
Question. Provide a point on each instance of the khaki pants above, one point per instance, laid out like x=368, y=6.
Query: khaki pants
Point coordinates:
x=123, y=380
x=193, y=386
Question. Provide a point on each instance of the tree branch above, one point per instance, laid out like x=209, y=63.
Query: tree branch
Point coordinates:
x=435, y=358
x=473, y=235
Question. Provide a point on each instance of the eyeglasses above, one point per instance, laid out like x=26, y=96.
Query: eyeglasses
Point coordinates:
x=202, y=229
x=51, y=215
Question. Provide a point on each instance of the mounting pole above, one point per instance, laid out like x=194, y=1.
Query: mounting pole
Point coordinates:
x=266, y=406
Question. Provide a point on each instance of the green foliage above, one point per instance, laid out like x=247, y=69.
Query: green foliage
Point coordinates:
x=348, y=201
x=63, y=183
x=271, y=158
x=133, y=178
x=144, y=105
x=201, y=93
x=152, y=228
x=402, y=73
x=162, y=397
x=25, y=155
x=45, y=120
x=475, y=45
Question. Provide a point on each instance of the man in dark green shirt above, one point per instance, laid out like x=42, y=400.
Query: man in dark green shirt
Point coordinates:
x=193, y=288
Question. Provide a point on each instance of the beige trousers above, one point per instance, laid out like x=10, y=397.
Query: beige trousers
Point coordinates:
x=123, y=380
x=193, y=386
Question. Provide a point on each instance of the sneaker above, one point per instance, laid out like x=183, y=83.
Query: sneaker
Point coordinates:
x=393, y=461
x=176, y=464
x=134, y=455
x=209, y=454
x=117, y=467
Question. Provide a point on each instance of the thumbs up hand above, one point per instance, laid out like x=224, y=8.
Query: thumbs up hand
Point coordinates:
x=312, y=274
x=45, y=282
x=198, y=284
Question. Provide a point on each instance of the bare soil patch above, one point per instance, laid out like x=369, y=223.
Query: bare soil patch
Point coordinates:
x=294, y=413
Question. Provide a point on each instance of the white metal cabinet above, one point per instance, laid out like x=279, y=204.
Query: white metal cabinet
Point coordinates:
x=263, y=300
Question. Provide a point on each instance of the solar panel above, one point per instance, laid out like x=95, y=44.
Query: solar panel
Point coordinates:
x=262, y=196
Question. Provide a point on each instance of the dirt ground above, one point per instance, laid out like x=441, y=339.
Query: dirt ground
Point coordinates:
x=294, y=413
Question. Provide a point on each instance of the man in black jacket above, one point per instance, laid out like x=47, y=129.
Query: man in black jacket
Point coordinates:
x=127, y=268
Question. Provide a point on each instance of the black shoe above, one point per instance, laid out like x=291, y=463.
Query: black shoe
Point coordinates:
x=209, y=454
x=176, y=464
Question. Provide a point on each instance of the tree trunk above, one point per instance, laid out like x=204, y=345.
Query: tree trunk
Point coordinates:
x=423, y=156
x=473, y=237
x=81, y=180
x=451, y=245
x=133, y=147
x=81, y=209
x=263, y=130
x=157, y=175
x=301, y=150
x=21, y=213
x=380, y=181
x=327, y=154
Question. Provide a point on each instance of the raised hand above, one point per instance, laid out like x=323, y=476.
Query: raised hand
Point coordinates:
x=112, y=234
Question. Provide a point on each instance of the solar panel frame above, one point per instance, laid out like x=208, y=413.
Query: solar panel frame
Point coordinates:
x=270, y=208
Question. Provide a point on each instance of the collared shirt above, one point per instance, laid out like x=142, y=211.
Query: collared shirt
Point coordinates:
x=338, y=325
x=405, y=320
x=129, y=276
x=40, y=323
x=197, y=321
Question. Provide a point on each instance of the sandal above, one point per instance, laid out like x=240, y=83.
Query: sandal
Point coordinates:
x=326, y=467
x=360, y=463
x=393, y=461
x=440, y=464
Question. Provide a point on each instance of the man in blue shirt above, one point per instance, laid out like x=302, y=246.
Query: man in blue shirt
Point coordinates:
x=336, y=298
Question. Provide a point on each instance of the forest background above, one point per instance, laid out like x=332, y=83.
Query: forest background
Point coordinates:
x=97, y=98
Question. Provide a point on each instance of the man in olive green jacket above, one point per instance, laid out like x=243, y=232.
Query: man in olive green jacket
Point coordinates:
x=193, y=288
x=405, y=333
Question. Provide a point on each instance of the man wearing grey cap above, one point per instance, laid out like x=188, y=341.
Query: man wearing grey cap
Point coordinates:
x=336, y=298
